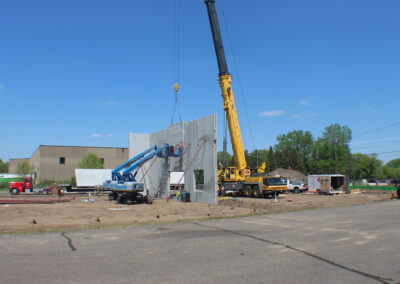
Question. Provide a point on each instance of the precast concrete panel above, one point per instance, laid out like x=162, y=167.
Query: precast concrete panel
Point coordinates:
x=199, y=138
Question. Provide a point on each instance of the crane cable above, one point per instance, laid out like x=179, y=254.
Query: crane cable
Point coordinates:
x=238, y=77
x=176, y=60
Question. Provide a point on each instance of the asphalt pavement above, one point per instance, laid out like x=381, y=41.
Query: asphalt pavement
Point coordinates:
x=356, y=244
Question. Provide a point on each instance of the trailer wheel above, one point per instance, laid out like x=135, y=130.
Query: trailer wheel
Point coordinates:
x=123, y=198
x=256, y=193
x=247, y=191
x=14, y=191
x=296, y=190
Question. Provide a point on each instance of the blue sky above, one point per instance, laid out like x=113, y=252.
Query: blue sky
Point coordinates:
x=89, y=72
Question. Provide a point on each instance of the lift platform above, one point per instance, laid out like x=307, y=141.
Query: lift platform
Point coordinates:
x=124, y=187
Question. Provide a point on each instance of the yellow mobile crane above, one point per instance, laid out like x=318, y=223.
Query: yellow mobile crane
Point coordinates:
x=239, y=180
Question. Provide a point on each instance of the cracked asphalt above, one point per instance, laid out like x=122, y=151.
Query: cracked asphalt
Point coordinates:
x=357, y=244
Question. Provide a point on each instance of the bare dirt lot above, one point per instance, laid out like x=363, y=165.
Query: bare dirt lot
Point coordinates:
x=78, y=214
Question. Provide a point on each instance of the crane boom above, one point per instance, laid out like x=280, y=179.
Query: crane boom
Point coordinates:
x=225, y=82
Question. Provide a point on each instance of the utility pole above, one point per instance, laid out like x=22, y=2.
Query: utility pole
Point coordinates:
x=335, y=142
x=257, y=156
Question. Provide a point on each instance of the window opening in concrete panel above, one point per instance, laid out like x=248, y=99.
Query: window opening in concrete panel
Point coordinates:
x=62, y=161
x=199, y=179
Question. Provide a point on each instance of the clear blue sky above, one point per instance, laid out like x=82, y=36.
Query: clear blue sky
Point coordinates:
x=89, y=72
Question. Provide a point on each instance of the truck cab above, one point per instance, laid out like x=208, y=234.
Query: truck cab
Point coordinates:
x=274, y=185
x=21, y=186
x=296, y=185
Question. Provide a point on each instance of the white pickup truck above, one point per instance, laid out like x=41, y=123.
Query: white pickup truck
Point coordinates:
x=296, y=185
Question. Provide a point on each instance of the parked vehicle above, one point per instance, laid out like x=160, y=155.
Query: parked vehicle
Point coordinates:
x=26, y=185
x=375, y=182
x=296, y=185
x=395, y=181
x=383, y=182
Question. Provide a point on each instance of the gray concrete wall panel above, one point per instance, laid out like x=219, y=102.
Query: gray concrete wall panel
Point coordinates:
x=199, y=137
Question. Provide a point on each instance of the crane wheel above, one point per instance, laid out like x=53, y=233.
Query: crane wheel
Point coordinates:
x=247, y=191
x=123, y=198
x=112, y=196
x=256, y=193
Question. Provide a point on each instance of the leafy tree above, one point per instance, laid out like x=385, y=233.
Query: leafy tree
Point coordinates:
x=294, y=150
x=271, y=165
x=24, y=168
x=384, y=172
x=255, y=158
x=91, y=161
x=333, y=149
x=394, y=163
x=365, y=166
x=3, y=167
x=229, y=159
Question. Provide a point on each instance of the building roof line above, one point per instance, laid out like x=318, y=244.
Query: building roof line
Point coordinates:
x=84, y=146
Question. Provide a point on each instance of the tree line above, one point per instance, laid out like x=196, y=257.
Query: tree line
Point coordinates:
x=328, y=154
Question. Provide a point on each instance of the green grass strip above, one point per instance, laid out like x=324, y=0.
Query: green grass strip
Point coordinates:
x=375, y=187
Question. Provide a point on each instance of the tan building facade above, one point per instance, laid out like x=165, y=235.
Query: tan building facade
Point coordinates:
x=59, y=162
x=13, y=164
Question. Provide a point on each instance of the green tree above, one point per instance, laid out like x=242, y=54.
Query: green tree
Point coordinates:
x=91, y=161
x=24, y=168
x=365, y=166
x=229, y=159
x=332, y=150
x=386, y=172
x=294, y=150
x=255, y=158
x=3, y=167
x=394, y=163
x=271, y=165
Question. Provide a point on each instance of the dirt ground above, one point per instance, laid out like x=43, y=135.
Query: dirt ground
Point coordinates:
x=79, y=214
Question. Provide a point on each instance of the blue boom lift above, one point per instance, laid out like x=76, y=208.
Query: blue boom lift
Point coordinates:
x=124, y=187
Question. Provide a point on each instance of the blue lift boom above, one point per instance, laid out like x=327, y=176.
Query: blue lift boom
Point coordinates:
x=116, y=175
x=124, y=187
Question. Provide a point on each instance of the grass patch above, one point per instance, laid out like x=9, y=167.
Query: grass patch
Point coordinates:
x=375, y=187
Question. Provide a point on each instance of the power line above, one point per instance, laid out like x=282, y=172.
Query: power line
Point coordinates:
x=372, y=141
x=389, y=152
x=380, y=129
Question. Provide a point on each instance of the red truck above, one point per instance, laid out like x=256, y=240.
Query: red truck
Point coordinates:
x=26, y=186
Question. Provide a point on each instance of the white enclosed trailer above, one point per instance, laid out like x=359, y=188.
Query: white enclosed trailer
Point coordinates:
x=328, y=183
x=88, y=180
